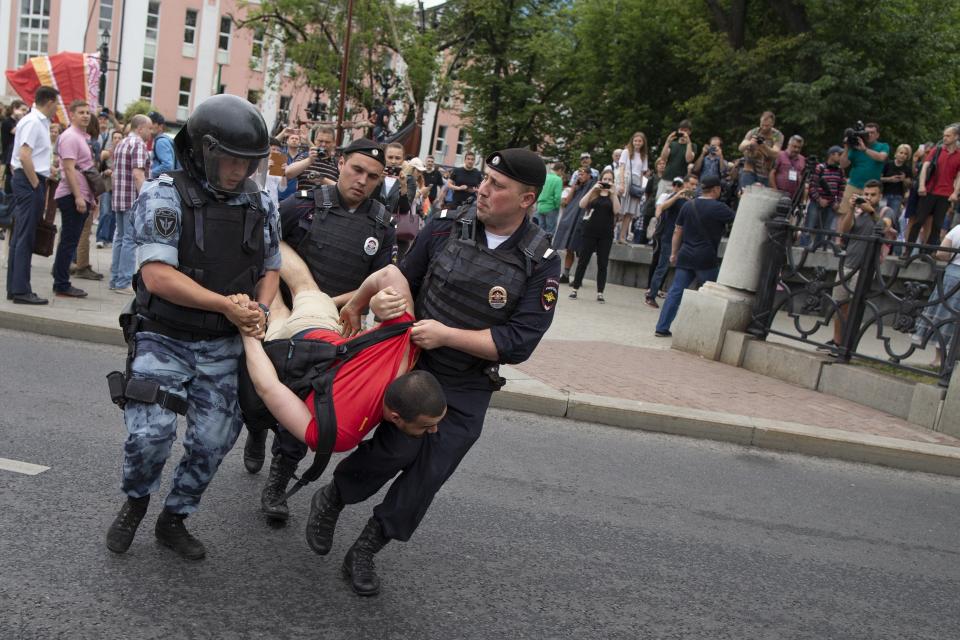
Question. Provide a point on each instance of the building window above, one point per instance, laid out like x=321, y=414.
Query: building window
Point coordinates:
x=183, y=99
x=226, y=24
x=150, y=50
x=106, y=16
x=190, y=27
x=461, y=140
x=283, y=113
x=34, y=29
x=254, y=95
x=440, y=146
x=256, y=53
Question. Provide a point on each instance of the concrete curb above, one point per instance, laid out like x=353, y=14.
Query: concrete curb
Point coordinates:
x=524, y=393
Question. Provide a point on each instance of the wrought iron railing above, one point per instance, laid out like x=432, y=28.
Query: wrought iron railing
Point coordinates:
x=888, y=294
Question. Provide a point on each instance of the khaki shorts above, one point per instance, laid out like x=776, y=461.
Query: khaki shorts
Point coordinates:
x=311, y=310
x=848, y=192
x=841, y=293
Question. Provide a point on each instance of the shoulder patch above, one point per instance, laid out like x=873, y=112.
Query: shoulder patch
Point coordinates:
x=165, y=222
x=550, y=293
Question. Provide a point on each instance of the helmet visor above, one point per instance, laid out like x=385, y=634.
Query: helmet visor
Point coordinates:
x=233, y=174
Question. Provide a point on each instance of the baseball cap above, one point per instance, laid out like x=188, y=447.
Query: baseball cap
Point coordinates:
x=835, y=149
x=584, y=155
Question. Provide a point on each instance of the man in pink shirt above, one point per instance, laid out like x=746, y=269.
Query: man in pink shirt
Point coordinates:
x=788, y=169
x=74, y=196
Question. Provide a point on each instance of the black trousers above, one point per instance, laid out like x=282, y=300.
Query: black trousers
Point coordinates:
x=930, y=205
x=288, y=446
x=589, y=246
x=424, y=464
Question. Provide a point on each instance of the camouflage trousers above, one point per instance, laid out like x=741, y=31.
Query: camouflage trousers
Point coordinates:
x=205, y=372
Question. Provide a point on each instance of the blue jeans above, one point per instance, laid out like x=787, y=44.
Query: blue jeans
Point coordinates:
x=27, y=212
x=205, y=372
x=108, y=223
x=748, y=178
x=818, y=218
x=547, y=221
x=123, y=262
x=660, y=272
x=682, y=278
x=72, y=222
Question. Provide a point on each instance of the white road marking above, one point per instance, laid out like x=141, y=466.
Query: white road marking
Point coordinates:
x=21, y=467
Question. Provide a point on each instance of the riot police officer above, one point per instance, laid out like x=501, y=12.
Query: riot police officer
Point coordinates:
x=207, y=239
x=485, y=282
x=343, y=235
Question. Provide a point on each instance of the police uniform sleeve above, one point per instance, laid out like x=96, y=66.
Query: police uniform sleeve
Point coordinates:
x=156, y=223
x=517, y=339
x=292, y=210
x=271, y=234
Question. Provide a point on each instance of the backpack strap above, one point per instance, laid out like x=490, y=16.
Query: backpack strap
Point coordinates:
x=322, y=385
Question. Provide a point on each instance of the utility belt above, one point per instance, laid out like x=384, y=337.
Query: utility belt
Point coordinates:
x=123, y=386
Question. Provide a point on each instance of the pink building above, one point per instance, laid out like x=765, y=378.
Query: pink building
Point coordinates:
x=176, y=53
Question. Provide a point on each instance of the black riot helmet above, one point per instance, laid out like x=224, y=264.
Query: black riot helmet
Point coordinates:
x=225, y=142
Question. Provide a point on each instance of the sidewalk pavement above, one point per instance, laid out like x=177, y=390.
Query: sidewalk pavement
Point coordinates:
x=601, y=363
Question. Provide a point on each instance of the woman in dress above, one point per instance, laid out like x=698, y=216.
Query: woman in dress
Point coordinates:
x=633, y=165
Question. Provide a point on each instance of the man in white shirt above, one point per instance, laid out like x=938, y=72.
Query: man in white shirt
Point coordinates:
x=32, y=155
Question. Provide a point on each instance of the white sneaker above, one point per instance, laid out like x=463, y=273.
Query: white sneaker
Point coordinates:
x=127, y=291
x=99, y=244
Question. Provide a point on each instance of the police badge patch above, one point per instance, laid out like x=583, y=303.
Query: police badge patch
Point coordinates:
x=497, y=297
x=165, y=222
x=551, y=290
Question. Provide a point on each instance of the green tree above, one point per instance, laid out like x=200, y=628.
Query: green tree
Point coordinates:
x=141, y=106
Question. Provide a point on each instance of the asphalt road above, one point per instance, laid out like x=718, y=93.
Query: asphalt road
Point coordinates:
x=550, y=529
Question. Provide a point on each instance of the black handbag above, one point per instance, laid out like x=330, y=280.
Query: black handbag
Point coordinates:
x=636, y=190
x=96, y=181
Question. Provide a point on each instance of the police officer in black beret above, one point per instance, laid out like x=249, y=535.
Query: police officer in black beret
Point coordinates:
x=343, y=235
x=485, y=282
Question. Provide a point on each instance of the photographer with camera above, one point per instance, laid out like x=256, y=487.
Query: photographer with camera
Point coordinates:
x=938, y=186
x=678, y=152
x=317, y=165
x=760, y=148
x=825, y=190
x=668, y=210
x=862, y=214
x=711, y=161
x=601, y=206
x=863, y=159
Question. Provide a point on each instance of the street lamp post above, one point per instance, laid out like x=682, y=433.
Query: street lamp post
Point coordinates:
x=104, y=55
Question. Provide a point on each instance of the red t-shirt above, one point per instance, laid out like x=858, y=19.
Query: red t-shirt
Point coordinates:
x=360, y=384
x=948, y=164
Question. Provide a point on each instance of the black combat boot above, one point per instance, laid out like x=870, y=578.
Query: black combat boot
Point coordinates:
x=254, y=450
x=271, y=499
x=171, y=533
x=124, y=527
x=358, y=564
x=325, y=508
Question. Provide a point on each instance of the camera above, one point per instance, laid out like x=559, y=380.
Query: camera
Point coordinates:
x=393, y=171
x=712, y=149
x=605, y=185
x=859, y=200
x=320, y=151
x=759, y=139
x=852, y=134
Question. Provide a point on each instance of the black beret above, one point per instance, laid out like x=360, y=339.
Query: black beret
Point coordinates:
x=368, y=148
x=522, y=165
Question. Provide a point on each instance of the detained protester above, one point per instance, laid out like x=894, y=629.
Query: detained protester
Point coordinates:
x=202, y=235
x=485, y=284
x=343, y=235
x=375, y=384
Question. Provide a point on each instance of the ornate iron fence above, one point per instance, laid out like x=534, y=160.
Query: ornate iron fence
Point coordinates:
x=898, y=288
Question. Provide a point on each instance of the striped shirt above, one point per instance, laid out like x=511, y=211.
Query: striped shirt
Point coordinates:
x=831, y=178
x=129, y=154
x=320, y=168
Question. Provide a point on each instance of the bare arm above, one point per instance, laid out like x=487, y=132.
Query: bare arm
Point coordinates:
x=615, y=200
x=675, y=243
x=70, y=173
x=296, y=168
x=691, y=154
x=922, y=180
x=388, y=278
x=430, y=334
x=139, y=177
x=286, y=407
x=845, y=158
x=588, y=198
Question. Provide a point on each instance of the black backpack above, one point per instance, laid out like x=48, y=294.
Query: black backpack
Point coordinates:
x=303, y=366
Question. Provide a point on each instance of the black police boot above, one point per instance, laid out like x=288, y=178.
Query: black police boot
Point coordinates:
x=325, y=508
x=358, y=564
x=171, y=533
x=254, y=450
x=124, y=527
x=271, y=499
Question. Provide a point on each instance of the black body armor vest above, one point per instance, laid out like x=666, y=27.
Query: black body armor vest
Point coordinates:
x=469, y=286
x=335, y=246
x=221, y=248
